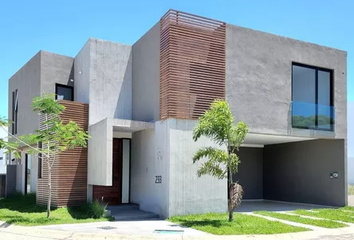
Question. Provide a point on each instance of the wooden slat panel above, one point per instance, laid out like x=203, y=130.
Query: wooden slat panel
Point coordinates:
x=69, y=174
x=192, y=64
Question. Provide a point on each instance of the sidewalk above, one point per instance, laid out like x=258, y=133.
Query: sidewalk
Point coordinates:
x=34, y=233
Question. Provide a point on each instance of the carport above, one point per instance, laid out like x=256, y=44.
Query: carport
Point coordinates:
x=293, y=170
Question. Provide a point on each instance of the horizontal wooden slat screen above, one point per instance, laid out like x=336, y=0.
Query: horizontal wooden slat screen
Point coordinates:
x=192, y=64
x=70, y=170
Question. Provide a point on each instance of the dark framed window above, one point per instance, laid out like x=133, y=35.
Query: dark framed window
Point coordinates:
x=40, y=161
x=28, y=167
x=64, y=92
x=14, y=112
x=312, y=98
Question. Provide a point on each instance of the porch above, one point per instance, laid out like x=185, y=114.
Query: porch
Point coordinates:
x=109, y=161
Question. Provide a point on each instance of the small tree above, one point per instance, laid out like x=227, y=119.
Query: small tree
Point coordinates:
x=217, y=124
x=54, y=135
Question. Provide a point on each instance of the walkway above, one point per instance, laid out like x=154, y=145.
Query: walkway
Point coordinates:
x=35, y=233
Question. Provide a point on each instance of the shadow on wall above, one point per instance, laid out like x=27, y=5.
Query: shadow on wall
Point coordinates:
x=125, y=99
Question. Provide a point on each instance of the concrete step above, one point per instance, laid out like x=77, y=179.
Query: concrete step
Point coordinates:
x=123, y=207
x=133, y=215
x=130, y=212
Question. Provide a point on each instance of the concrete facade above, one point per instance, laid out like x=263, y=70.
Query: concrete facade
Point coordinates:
x=146, y=74
x=250, y=172
x=258, y=72
x=103, y=79
x=167, y=152
x=27, y=82
x=300, y=172
x=121, y=85
x=189, y=194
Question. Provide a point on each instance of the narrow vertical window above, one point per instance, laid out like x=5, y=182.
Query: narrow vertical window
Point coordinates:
x=14, y=111
x=40, y=160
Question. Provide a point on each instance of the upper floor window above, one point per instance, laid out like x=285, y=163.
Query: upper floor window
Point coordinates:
x=14, y=112
x=312, y=96
x=64, y=92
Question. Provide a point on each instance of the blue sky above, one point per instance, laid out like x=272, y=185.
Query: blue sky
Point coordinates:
x=64, y=26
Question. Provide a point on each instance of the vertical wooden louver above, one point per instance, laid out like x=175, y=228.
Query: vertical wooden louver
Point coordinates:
x=69, y=173
x=192, y=64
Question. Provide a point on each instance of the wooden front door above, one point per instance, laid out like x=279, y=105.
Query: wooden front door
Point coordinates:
x=112, y=195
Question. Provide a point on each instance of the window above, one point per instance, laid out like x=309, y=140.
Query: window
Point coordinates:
x=40, y=161
x=28, y=165
x=312, y=96
x=64, y=92
x=14, y=112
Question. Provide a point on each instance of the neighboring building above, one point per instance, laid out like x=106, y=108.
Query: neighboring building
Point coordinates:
x=140, y=104
x=2, y=173
x=351, y=142
x=2, y=162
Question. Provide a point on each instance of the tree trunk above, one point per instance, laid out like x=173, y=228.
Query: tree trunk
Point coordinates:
x=231, y=215
x=49, y=189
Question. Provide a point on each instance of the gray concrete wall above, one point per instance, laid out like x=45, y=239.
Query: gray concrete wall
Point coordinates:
x=188, y=193
x=10, y=180
x=110, y=80
x=250, y=172
x=151, y=158
x=300, y=172
x=100, y=162
x=82, y=74
x=55, y=68
x=27, y=81
x=258, y=79
x=146, y=76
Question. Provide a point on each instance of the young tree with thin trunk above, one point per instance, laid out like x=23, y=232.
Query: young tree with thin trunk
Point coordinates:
x=217, y=125
x=54, y=135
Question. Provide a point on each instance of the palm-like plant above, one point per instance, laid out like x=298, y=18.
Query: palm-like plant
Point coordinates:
x=217, y=124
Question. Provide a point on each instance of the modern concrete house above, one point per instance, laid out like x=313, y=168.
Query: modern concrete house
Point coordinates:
x=141, y=102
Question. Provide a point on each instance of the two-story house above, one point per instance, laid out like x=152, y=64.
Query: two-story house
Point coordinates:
x=141, y=102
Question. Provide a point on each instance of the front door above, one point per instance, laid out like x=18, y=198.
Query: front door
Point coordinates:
x=112, y=195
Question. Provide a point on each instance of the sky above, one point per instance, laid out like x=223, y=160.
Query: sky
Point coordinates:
x=64, y=26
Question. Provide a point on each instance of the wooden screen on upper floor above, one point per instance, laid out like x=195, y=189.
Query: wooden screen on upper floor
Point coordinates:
x=192, y=64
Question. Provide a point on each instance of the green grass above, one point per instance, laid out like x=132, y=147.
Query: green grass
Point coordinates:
x=22, y=210
x=298, y=219
x=331, y=214
x=218, y=224
x=351, y=190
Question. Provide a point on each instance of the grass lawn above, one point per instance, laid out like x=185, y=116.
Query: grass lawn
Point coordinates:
x=340, y=214
x=298, y=219
x=217, y=223
x=22, y=210
x=351, y=190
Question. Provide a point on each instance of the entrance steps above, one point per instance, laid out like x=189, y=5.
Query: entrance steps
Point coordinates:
x=130, y=212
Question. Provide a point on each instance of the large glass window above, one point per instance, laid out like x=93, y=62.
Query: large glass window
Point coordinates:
x=312, y=106
x=64, y=92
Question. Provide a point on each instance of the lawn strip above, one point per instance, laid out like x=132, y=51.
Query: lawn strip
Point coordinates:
x=216, y=223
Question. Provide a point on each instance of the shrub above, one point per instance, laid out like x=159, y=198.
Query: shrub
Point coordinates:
x=94, y=209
